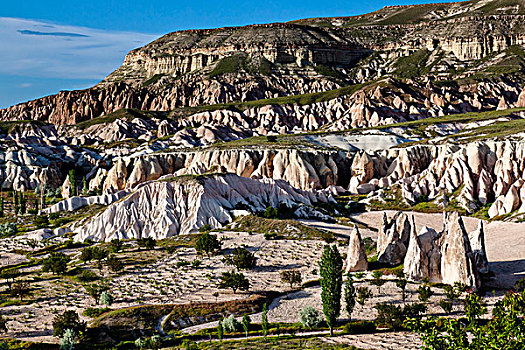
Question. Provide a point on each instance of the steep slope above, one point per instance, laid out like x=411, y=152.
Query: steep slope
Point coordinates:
x=181, y=205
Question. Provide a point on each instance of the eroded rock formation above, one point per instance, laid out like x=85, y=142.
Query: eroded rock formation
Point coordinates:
x=356, y=259
x=448, y=256
x=169, y=207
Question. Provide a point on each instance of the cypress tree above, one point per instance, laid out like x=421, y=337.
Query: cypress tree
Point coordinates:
x=264, y=320
x=331, y=271
x=349, y=295
x=72, y=183
x=22, y=202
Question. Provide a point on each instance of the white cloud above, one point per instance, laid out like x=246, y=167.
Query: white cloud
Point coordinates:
x=38, y=49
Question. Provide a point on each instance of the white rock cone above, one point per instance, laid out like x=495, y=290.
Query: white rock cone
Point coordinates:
x=356, y=259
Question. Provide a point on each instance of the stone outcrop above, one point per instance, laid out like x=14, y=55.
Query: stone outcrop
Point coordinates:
x=169, y=207
x=74, y=203
x=449, y=256
x=393, y=238
x=457, y=257
x=356, y=259
x=477, y=243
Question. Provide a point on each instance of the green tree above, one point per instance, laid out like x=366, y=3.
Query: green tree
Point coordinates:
x=85, y=189
x=1, y=207
x=15, y=202
x=20, y=289
x=377, y=280
x=235, y=281
x=363, y=294
x=264, y=320
x=241, y=258
x=402, y=284
x=148, y=243
x=246, y=321
x=504, y=330
x=56, y=263
x=474, y=307
x=424, y=293
x=95, y=290
x=9, y=276
x=331, y=271
x=72, y=182
x=115, y=245
x=349, y=295
x=271, y=213
x=22, y=202
x=114, y=263
x=208, y=244
x=67, y=320
x=291, y=277
x=220, y=330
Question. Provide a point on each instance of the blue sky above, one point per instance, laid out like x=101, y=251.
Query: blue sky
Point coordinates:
x=49, y=46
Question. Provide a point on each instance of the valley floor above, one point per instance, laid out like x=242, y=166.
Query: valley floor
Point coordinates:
x=155, y=277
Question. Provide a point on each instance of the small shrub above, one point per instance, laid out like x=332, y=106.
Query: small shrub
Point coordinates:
x=291, y=277
x=86, y=276
x=182, y=263
x=241, y=258
x=424, y=293
x=68, y=340
x=230, y=325
x=207, y=244
x=363, y=294
x=446, y=306
x=141, y=343
x=393, y=317
x=451, y=293
x=94, y=312
x=205, y=228
x=106, y=298
x=310, y=317
x=359, y=327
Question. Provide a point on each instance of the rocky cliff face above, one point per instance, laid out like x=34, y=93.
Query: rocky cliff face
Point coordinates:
x=185, y=204
x=192, y=68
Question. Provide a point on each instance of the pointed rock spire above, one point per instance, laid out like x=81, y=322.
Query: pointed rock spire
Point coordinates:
x=415, y=265
x=477, y=243
x=356, y=259
x=457, y=258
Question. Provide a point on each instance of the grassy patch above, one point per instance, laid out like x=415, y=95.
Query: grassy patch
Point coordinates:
x=129, y=323
x=10, y=126
x=230, y=64
x=127, y=114
x=152, y=80
x=277, y=229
